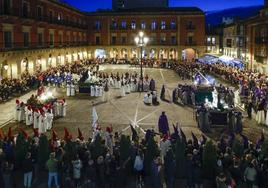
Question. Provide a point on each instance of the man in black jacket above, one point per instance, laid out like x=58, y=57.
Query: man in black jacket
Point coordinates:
x=27, y=166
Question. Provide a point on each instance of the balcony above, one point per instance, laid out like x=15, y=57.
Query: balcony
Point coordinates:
x=260, y=59
x=190, y=43
x=31, y=46
x=261, y=40
x=42, y=18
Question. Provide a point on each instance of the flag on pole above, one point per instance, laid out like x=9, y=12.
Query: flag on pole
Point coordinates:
x=94, y=118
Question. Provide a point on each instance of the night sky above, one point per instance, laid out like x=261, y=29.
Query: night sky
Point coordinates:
x=206, y=5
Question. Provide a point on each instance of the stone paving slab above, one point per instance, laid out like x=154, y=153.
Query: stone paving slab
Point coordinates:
x=120, y=112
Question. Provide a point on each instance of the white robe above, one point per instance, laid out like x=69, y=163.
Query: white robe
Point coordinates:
x=134, y=87
x=115, y=84
x=49, y=120
x=92, y=91
x=146, y=85
x=111, y=82
x=237, y=99
x=260, y=117
x=122, y=91
x=97, y=91
x=29, y=117
x=55, y=109
x=119, y=84
x=16, y=112
x=215, y=98
x=128, y=88
x=68, y=90
x=62, y=108
x=36, y=119
x=72, y=90
x=147, y=99
x=41, y=124
x=21, y=113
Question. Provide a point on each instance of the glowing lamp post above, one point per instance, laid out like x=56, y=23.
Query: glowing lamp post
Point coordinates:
x=141, y=41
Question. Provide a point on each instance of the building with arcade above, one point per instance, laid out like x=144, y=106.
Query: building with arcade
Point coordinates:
x=257, y=41
x=174, y=33
x=38, y=34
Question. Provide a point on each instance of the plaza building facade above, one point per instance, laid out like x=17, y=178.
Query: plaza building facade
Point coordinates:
x=257, y=41
x=36, y=34
x=174, y=33
x=130, y=4
x=234, y=40
x=212, y=44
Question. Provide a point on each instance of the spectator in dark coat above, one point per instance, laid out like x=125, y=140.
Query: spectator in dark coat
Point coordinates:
x=169, y=170
x=27, y=167
x=163, y=124
x=155, y=173
x=189, y=171
x=90, y=178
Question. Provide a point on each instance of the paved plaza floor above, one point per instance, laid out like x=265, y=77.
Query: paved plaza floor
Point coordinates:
x=120, y=112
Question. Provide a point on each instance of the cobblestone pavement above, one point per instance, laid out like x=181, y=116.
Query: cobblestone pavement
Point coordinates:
x=120, y=112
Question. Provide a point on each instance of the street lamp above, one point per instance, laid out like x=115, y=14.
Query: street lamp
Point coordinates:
x=141, y=41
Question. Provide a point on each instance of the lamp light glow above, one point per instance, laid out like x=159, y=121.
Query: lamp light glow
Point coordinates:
x=5, y=67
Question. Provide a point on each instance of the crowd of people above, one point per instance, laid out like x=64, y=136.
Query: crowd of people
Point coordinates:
x=252, y=85
x=57, y=76
x=126, y=83
x=116, y=160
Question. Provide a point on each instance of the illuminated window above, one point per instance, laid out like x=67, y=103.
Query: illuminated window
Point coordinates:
x=153, y=25
x=163, y=25
x=133, y=25
x=114, y=24
x=213, y=40
x=173, y=25
x=97, y=25
x=124, y=24
x=143, y=25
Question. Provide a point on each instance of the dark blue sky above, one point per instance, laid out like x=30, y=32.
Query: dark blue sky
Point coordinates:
x=206, y=5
